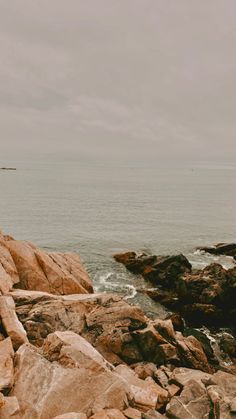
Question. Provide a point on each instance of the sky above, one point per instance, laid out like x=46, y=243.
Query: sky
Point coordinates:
x=136, y=78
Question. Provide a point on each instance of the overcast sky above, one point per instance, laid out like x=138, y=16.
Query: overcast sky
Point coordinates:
x=113, y=77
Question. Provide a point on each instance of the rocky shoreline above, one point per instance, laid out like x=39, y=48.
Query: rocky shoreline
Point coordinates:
x=67, y=352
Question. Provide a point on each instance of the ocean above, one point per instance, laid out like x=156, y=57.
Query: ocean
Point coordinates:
x=100, y=207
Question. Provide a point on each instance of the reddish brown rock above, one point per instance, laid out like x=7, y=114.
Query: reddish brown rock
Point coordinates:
x=6, y=364
x=228, y=249
x=108, y=414
x=56, y=273
x=9, y=408
x=146, y=394
x=132, y=413
x=191, y=353
x=8, y=272
x=120, y=332
x=46, y=389
x=145, y=369
x=181, y=376
x=11, y=324
x=173, y=390
x=106, y=321
x=192, y=403
x=71, y=350
x=163, y=270
x=44, y=380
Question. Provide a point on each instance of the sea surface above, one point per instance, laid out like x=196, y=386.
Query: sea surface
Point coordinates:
x=99, y=207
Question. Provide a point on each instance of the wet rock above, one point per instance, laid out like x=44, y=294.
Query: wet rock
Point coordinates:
x=191, y=353
x=152, y=346
x=208, y=315
x=168, y=298
x=166, y=329
x=11, y=324
x=134, y=263
x=6, y=364
x=162, y=270
x=228, y=249
x=205, y=341
x=177, y=321
x=228, y=344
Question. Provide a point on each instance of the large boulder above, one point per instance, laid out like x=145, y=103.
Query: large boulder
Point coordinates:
x=69, y=375
x=13, y=327
x=46, y=389
x=8, y=272
x=30, y=268
x=161, y=270
x=208, y=296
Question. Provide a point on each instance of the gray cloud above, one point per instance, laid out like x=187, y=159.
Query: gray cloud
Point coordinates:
x=153, y=78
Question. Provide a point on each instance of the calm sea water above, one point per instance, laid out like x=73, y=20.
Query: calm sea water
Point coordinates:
x=98, y=208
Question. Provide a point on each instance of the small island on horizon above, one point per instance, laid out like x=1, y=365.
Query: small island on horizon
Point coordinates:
x=7, y=168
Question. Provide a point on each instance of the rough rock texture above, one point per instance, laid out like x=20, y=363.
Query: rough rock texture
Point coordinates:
x=64, y=388
x=161, y=270
x=10, y=322
x=106, y=321
x=203, y=395
x=146, y=393
x=192, y=403
x=33, y=269
x=6, y=364
x=9, y=408
x=119, y=331
x=96, y=356
x=203, y=297
x=69, y=362
x=228, y=249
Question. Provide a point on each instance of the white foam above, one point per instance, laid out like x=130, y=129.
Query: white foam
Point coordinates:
x=132, y=290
